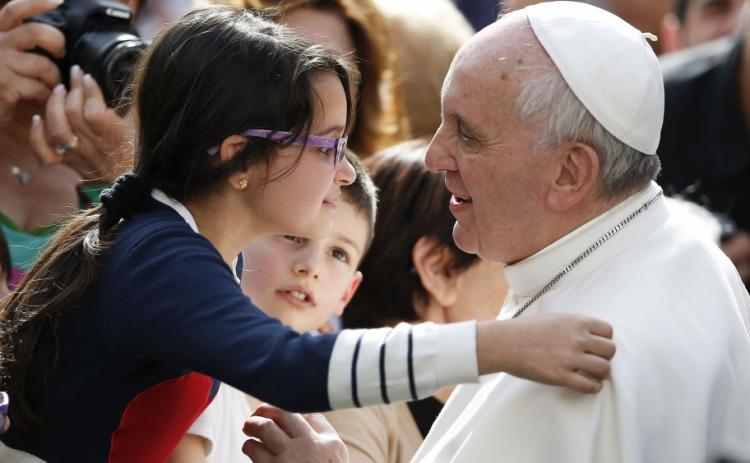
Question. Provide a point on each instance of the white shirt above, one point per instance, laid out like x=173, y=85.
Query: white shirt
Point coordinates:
x=221, y=426
x=680, y=380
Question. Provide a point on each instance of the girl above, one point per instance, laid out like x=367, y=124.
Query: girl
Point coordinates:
x=110, y=344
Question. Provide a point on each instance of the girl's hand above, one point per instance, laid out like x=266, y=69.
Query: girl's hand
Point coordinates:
x=559, y=349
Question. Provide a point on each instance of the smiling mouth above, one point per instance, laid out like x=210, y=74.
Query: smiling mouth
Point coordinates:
x=462, y=200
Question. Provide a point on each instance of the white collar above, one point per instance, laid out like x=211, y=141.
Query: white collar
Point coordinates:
x=187, y=217
x=177, y=206
x=527, y=277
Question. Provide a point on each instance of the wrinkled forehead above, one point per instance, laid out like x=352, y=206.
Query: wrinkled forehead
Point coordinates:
x=497, y=59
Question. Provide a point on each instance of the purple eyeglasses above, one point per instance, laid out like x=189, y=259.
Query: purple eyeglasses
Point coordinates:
x=324, y=143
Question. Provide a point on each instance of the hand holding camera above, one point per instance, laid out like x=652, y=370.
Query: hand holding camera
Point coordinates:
x=27, y=76
x=80, y=130
x=89, y=46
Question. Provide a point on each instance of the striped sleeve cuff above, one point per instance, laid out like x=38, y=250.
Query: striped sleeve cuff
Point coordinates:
x=408, y=362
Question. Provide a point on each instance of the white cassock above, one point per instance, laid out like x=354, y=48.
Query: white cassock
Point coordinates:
x=680, y=381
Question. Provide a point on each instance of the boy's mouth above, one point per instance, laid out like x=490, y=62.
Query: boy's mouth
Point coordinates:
x=297, y=295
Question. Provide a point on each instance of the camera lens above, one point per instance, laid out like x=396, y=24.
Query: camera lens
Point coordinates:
x=110, y=57
x=119, y=64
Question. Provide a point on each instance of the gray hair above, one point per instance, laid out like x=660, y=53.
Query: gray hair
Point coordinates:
x=546, y=101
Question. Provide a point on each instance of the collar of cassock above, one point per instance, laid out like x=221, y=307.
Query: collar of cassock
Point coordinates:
x=527, y=277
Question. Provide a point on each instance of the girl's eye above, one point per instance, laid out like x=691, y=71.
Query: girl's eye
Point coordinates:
x=326, y=151
x=293, y=239
x=341, y=255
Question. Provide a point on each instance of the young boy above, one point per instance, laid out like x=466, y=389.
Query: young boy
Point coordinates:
x=304, y=283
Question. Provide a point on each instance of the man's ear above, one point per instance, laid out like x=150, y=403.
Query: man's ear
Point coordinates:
x=577, y=176
x=432, y=263
x=351, y=290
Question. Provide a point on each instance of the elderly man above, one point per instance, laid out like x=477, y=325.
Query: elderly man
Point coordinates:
x=551, y=120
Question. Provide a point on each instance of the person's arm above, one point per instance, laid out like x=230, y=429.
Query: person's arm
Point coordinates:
x=175, y=300
x=191, y=449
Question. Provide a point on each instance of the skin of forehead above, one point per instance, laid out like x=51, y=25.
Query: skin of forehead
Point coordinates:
x=504, y=53
x=508, y=45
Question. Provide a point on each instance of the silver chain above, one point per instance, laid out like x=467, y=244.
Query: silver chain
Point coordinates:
x=587, y=253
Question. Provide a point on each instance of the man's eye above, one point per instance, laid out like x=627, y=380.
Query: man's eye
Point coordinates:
x=293, y=239
x=341, y=255
x=465, y=136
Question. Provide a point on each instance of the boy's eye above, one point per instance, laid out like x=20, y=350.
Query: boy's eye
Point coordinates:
x=293, y=239
x=341, y=255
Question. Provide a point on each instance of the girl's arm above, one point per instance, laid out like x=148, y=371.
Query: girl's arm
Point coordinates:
x=175, y=300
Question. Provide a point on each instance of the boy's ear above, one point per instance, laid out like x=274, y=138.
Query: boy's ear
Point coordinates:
x=432, y=262
x=350, y=291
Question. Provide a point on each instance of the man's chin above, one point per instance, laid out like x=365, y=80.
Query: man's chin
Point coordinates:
x=465, y=239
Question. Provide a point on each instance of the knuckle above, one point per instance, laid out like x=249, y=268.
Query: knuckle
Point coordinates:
x=579, y=343
x=56, y=135
x=10, y=11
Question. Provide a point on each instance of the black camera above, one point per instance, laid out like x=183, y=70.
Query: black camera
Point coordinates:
x=100, y=38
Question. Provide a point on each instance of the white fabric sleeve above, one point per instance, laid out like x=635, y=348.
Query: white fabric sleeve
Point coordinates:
x=207, y=423
x=407, y=362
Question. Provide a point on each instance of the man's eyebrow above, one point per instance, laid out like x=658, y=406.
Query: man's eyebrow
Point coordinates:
x=463, y=123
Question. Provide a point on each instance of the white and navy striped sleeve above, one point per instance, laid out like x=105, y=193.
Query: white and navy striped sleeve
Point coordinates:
x=408, y=362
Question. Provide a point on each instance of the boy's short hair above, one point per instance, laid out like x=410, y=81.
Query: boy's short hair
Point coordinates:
x=363, y=195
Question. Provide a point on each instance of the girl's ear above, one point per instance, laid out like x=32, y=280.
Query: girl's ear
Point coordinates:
x=231, y=145
x=432, y=262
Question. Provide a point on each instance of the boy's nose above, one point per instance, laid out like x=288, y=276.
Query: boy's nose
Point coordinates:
x=307, y=267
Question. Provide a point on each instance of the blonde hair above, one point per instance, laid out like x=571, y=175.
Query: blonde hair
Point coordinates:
x=428, y=34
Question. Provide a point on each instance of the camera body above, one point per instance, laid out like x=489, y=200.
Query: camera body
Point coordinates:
x=100, y=38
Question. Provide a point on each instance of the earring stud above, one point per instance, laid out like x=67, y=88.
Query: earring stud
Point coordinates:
x=243, y=183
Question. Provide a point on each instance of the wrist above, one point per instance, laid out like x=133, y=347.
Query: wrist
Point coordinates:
x=492, y=346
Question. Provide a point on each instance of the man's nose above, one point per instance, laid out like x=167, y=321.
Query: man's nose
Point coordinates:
x=439, y=157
